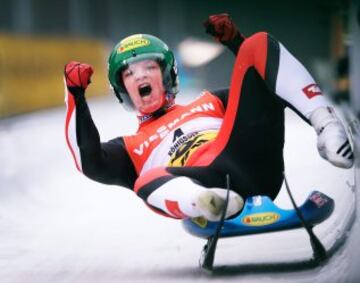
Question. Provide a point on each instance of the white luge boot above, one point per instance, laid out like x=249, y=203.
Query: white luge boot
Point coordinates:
x=333, y=143
x=211, y=204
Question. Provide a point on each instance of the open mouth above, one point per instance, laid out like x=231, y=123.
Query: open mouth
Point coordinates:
x=144, y=90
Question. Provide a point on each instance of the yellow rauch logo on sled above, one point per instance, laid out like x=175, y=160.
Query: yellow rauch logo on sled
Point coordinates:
x=132, y=43
x=260, y=219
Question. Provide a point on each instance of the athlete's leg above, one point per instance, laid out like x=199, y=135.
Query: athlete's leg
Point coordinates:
x=250, y=143
x=253, y=154
x=295, y=85
x=182, y=197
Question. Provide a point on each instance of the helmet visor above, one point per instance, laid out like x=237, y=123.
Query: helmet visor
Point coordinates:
x=158, y=57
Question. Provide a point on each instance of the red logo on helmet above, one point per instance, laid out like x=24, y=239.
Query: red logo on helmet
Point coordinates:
x=312, y=90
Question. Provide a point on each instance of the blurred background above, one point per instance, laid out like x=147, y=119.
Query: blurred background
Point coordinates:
x=37, y=37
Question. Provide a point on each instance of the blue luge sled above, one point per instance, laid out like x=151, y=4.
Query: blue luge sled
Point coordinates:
x=261, y=215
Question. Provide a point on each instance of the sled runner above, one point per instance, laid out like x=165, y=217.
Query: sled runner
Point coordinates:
x=261, y=215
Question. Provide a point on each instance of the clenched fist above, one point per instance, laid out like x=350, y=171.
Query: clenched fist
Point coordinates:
x=222, y=28
x=77, y=76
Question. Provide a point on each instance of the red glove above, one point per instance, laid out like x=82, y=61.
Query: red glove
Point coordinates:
x=221, y=27
x=77, y=76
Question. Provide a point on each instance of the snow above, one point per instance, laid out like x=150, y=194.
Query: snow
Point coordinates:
x=58, y=226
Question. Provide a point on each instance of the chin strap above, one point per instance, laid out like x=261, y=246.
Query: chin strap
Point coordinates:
x=169, y=102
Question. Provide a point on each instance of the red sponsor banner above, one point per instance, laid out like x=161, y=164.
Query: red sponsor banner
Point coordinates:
x=312, y=90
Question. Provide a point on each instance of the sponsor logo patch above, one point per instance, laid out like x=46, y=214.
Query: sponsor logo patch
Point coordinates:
x=132, y=43
x=260, y=219
x=180, y=154
x=312, y=90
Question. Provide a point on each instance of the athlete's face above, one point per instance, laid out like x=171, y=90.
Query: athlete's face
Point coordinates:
x=143, y=82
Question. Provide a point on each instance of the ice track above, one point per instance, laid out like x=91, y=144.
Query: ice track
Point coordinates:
x=58, y=226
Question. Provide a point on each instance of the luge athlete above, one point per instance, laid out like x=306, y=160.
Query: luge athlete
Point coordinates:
x=178, y=158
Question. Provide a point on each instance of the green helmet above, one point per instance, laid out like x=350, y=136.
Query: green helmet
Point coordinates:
x=140, y=47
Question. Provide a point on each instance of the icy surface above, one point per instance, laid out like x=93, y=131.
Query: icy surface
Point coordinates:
x=58, y=226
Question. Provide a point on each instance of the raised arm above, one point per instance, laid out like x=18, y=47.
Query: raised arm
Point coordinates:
x=222, y=28
x=108, y=162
